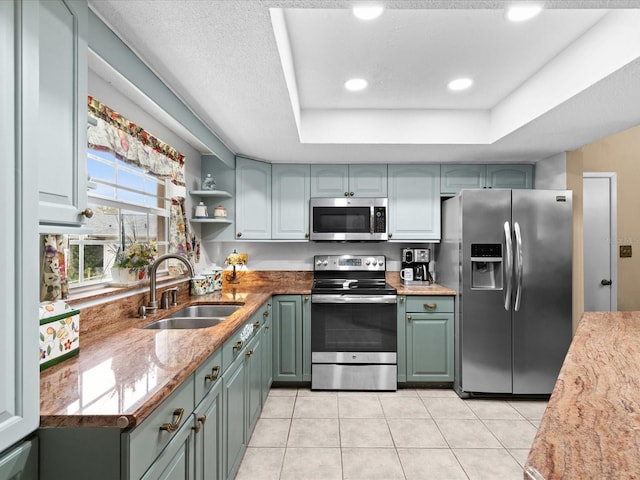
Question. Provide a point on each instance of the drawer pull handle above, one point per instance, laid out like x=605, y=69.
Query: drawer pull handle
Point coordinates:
x=213, y=376
x=256, y=324
x=408, y=318
x=238, y=345
x=249, y=353
x=172, y=427
x=430, y=306
x=201, y=421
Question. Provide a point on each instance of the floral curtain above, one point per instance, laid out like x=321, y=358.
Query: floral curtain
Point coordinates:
x=53, y=281
x=133, y=144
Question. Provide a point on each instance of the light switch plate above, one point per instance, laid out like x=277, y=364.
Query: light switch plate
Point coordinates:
x=625, y=251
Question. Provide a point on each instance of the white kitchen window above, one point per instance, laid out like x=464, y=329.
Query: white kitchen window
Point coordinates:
x=129, y=205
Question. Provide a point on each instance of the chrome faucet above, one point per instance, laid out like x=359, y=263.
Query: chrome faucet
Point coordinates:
x=153, y=303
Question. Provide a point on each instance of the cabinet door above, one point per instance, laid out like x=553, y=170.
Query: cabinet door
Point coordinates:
x=329, y=180
x=253, y=356
x=510, y=176
x=267, y=353
x=253, y=200
x=306, y=338
x=234, y=423
x=176, y=461
x=62, y=178
x=402, y=339
x=208, y=437
x=287, y=340
x=429, y=347
x=19, y=372
x=455, y=177
x=368, y=180
x=290, y=202
x=414, y=202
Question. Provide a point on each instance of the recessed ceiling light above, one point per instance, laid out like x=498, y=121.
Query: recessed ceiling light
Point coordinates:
x=460, y=84
x=522, y=12
x=368, y=12
x=356, y=84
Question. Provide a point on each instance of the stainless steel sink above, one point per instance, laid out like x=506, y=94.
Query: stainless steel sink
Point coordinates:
x=185, y=322
x=208, y=310
x=195, y=316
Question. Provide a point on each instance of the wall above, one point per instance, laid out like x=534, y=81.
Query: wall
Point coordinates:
x=551, y=173
x=618, y=153
x=299, y=255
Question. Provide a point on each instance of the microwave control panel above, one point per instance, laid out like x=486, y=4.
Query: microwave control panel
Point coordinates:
x=379, y=219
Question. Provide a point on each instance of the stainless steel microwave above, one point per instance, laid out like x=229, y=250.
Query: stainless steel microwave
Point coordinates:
x=343, y=219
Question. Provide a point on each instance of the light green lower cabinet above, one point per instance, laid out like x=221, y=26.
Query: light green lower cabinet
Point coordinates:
x=287, y=338
x=21, y=461
x=176, y=460
x=234, y=418
x=213, y=414
x=425, y=339
x=306, y=338
x=267, y=352
x=208, y=437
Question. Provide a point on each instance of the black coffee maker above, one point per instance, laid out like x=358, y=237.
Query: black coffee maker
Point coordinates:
x=416, y=266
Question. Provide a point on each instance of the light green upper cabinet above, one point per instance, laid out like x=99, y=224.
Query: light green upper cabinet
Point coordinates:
x=510, y=176
x=62, y=119
x=290, y=201
x=19, y=371
x=329, y=180
x=349, y=180
x=456, y=177
x=253, y=200
x=414, y=202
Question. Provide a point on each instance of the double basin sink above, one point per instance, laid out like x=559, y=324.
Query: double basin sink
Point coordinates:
x=195, y=316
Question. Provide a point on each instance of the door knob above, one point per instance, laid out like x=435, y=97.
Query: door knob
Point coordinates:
x=604, y=282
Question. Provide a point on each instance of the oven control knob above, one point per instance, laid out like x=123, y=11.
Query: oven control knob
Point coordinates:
x=325, y=263
x=319, y=262
x=368, y=262
x=381, y=262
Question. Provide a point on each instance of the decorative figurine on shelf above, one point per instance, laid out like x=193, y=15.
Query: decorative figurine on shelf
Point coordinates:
x=209, y=183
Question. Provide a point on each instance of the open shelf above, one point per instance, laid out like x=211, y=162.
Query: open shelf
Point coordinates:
x=210, y=193
x=211, y=220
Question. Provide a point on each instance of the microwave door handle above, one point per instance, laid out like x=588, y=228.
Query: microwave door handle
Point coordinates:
x=372, y=215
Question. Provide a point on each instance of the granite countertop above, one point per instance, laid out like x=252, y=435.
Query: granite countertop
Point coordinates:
x=591, y=427
x=123, y=372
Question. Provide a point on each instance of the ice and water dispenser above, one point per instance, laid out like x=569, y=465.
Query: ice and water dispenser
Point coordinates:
x=486, y=266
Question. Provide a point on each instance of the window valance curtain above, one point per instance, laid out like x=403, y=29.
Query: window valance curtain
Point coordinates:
x=133, y=144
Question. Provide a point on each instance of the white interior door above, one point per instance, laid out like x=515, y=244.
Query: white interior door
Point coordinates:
x=600, y=242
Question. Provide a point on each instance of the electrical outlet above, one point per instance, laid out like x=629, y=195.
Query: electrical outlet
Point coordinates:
x=625, y=251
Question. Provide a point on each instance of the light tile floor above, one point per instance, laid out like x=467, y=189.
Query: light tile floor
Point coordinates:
x=411, y=434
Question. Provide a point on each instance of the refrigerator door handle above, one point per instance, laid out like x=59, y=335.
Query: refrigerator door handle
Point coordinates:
x=519, y=266
x=508, y=266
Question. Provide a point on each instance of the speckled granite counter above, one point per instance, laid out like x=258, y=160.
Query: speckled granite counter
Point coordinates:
x=393, y=278
x=124, y=372
x=591, y=428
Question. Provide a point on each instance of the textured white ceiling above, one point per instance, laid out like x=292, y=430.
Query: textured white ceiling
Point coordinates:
x=564, y=79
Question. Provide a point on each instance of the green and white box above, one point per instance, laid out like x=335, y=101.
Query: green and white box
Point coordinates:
x=59, y=332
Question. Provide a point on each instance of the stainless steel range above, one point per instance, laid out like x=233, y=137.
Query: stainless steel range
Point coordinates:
x=353, y=324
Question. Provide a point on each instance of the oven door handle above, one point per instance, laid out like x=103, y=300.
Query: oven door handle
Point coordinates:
x=354, y=298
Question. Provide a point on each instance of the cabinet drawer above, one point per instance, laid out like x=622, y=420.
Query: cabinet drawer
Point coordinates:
x=238, y=341
x=144, y=443
x=207, y=374
x=429, y=304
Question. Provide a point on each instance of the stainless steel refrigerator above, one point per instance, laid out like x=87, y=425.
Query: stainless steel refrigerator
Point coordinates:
x=507, y=253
